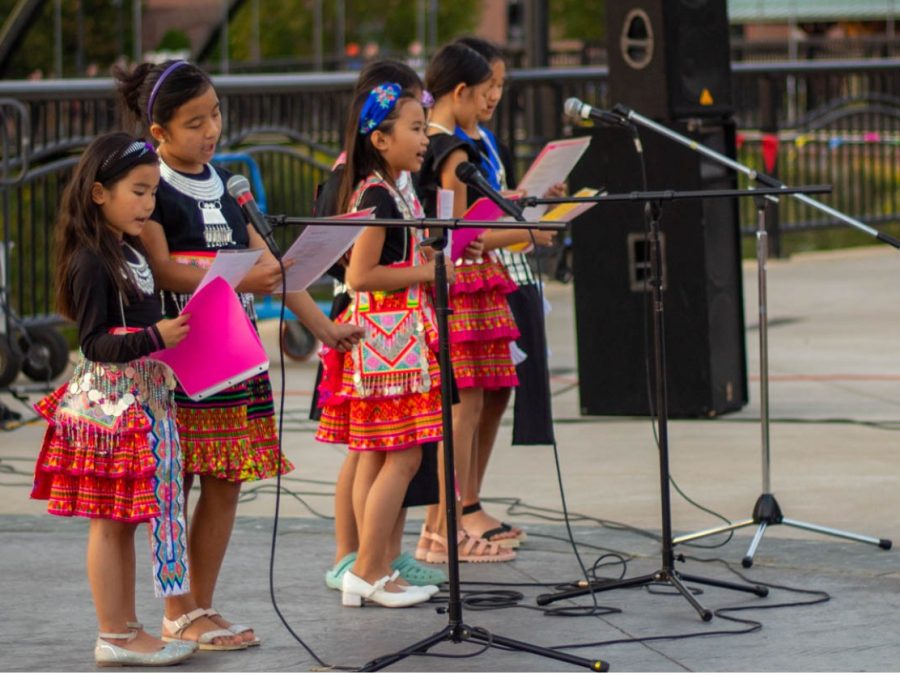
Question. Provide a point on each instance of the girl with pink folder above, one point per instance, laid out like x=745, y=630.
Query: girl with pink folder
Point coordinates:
x=111, y=450
x=229, y=437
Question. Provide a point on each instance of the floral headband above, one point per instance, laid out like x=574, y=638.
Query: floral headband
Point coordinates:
x=119, y=162
x=381, y=100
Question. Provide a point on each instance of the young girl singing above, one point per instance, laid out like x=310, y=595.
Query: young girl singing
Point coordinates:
x=231, y=437
x=423, y=489
x=481, y=325
x=383, y=399
x=111, y=451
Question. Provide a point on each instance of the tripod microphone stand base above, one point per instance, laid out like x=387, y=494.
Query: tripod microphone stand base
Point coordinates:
x=463, y=633
x=767, y=512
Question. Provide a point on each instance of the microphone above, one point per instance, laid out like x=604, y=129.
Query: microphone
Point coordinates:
x=469, y=174
x=239, y=188
x=574, y=108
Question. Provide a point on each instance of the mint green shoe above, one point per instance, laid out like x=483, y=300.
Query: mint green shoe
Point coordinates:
x=416, y=573
x=334, y=576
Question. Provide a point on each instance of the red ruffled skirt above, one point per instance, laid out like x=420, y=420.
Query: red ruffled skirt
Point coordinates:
x=482, y=326
x=390, y=412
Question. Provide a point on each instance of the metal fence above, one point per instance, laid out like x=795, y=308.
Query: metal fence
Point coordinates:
x=831, y=121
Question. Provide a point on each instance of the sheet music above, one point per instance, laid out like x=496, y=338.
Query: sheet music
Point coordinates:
x=232, y=265
x=553, y=165
x=320, y=246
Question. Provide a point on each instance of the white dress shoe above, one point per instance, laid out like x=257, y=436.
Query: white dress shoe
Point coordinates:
x=356, y=591
x=109, y=654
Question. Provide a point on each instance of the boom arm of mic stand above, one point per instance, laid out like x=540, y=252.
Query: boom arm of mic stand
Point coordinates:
x=421, y=223
x=752, y=174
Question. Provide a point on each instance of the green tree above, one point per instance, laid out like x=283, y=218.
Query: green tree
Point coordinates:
x=579, y=19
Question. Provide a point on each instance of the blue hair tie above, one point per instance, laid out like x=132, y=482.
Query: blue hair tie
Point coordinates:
x=156, y=87
x=381, y=100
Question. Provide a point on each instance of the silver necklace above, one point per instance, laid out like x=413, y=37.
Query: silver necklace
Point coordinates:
x=207, y=192
x=141, y=273
x=441, y=127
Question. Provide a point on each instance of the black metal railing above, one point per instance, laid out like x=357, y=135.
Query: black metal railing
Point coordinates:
x=834, y=121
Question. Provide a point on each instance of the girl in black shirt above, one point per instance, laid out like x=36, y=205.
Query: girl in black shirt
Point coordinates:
x=111, y=452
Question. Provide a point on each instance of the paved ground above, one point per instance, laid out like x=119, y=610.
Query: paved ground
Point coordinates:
x=835, y=401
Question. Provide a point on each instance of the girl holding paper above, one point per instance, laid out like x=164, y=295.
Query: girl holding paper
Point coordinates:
x=383, y=398
x=231, y=437
x=481, y=326
x=111, y=451
x=533, y=420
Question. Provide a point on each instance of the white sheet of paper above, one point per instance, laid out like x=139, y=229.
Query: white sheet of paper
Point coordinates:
x=445, y=212
x=553, y=165
x=232, y=265
x=320, y=246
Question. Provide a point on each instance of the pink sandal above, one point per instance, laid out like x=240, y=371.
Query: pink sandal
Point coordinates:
x=471, y=549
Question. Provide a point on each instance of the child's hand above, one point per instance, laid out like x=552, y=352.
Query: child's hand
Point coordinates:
x=263, y=278
x=173, y=331
x=429, y=269
x=557, y=190
x=543, y=237
x=475, y=249
x=343, y=336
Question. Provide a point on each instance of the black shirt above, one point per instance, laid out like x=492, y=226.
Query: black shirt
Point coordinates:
x=396, y=239
x=96, y=307
x=182, y=219
x=429, y=178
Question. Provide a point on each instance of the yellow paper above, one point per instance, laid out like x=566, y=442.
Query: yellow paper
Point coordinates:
x=556, y=214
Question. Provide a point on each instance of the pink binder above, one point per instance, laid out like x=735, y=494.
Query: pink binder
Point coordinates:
x=482, y=209
x=221, y=349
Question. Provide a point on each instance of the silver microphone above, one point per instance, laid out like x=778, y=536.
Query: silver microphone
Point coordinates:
x=576, y=109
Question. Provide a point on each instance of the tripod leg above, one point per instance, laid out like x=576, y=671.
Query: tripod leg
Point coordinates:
x=704, y=613
x=419, y=647
x=475, y=634
x=747, y=562
x=761, y=591
x=713, y=530
x=881, y=543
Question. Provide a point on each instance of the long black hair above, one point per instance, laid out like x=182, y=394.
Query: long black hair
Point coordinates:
x=80, y=224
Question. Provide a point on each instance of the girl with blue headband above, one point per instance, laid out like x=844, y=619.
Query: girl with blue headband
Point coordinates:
x=231, y=437
x=383, y=398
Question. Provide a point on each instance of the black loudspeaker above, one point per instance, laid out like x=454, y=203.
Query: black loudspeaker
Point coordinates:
x=669, y=59
x=702, y=293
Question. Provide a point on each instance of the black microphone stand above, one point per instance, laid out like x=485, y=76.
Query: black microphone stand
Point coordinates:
x=666, y=574
x=766, y=511
x=456, y=630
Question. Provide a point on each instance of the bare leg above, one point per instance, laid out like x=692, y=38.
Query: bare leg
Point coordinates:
x=110, y=573
x=495, y=403
x=367, y=467
x=346, y=535
x=382, y=508
x=202, y=580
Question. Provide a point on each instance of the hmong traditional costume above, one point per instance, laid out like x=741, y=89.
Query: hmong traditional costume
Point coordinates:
x=481, y=325
x=231, y=435
x=111, y=449
x=533, y=415
x=384, y=394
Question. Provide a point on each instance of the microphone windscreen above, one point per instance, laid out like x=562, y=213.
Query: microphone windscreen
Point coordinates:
x=465, y=171
x=237, y=185
x=572, y=107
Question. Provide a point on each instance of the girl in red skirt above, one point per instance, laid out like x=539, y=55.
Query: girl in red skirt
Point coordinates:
x=111, y=452
x=383, y=398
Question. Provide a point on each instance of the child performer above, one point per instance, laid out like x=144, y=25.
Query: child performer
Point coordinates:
x=111, y=451
x=533, y=420
x=230, y=437
x=423, y=489
x=481, y=326
x=383, y=399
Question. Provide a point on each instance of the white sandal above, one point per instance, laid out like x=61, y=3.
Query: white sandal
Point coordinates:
x=237, y=629
x=205, y=641
x=107, y=654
